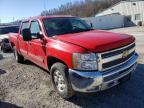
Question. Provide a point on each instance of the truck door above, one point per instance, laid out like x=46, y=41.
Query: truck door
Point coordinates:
x=35, y=49
x=23, y=46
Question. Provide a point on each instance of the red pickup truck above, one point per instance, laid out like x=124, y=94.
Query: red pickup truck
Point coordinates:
x=79, y=58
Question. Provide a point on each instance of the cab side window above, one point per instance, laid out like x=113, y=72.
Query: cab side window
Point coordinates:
x=35, y=29
x=25, y=25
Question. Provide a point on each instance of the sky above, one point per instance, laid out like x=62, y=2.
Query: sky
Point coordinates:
x=11, y=10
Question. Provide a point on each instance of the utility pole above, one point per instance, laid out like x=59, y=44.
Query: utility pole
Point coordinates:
x=45, y=2
x=13, y=19
x=44, y=5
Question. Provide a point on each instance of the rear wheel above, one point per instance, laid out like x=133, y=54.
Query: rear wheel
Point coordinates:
x=19, y=58
x=4, y=50
x=61, y=81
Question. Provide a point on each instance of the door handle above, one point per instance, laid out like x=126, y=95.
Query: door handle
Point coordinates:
x=28, y=43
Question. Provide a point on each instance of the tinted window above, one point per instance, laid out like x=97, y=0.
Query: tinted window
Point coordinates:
x=35, y=28
x=6, y=30
x=25, y=25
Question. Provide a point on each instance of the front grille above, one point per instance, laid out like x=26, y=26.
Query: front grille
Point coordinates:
x=119, y=51
x=118, y=61
x=115, y=57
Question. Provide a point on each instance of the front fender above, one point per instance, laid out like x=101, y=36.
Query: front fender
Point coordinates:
x=63, y=51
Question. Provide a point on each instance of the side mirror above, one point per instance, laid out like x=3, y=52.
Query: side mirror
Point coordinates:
x=40, y=35
x=26, y=35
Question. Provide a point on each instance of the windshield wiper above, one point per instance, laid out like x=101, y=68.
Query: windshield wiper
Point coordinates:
x=88, y=29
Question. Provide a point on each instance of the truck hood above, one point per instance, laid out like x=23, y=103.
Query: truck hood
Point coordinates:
x=97, y=40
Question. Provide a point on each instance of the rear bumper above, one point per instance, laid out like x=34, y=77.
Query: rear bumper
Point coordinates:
x=97, y=81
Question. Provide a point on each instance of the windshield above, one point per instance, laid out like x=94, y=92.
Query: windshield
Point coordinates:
x=59, y=26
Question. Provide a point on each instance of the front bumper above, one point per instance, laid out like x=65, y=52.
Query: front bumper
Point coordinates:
x=98, y=80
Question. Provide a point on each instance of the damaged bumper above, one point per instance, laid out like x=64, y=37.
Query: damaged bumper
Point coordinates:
x=100, y=80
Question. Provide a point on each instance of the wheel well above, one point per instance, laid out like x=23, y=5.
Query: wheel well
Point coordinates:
x=51, y=60
x=12, y=44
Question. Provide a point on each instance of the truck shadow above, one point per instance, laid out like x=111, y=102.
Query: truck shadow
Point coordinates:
x=126, y=95
x=1, y=56
x=8, y=105
x=27, y=62
x=2, y=71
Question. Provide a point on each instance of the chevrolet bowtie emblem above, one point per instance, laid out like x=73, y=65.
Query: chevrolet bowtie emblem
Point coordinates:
x=125, y=54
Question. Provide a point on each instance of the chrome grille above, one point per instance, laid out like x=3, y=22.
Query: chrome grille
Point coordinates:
x=113, y=58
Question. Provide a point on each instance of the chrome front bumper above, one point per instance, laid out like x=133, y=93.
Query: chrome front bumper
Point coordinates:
x=100, y=80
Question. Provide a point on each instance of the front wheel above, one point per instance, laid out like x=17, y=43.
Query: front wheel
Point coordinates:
x=19, y=58
x=4, y=50
x=60, y=80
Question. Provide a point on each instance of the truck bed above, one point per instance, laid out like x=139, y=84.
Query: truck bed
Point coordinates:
x=13, y=38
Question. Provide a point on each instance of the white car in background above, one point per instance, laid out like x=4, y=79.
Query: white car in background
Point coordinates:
x=4, y=30
x=3, y=37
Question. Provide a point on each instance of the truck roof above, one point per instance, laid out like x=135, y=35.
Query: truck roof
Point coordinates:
x=49, y=16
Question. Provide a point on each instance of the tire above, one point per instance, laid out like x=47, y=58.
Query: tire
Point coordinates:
x=19, y=58
x=60, y=80
x=4, y=50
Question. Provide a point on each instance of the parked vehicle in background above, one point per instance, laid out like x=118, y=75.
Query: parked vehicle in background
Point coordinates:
x=5, y=45
x=8, y=29
x=4, y=30
x=78, y=57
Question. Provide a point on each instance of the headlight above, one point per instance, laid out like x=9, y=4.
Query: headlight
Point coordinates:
x=84, y=61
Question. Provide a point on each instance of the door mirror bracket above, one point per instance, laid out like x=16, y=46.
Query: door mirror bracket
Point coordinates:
x=40, y=35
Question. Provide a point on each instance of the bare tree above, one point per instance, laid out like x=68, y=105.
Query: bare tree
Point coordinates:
x=85, y=8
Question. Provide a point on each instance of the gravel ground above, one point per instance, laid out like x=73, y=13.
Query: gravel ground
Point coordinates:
x=28, y=86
